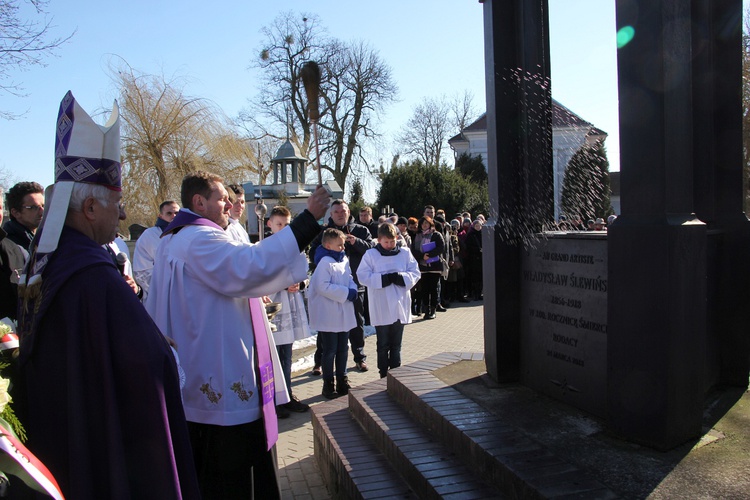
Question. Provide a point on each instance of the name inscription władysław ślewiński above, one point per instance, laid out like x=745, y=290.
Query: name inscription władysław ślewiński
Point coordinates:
x=564, y=319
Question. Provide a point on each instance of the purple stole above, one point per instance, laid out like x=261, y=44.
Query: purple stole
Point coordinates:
x=185, y=218
x=264, y=366
x=265, y=371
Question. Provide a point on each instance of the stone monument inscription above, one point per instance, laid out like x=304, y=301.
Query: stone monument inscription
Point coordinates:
x=564, y=319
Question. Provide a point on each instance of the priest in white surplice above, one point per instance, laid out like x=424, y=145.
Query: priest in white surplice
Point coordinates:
x=200, y=286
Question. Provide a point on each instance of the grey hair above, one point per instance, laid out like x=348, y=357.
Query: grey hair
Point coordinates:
x=83, y=191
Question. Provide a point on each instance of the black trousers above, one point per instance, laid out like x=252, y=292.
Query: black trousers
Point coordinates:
x=357, y=334
x=232, y=461
x=429, y=283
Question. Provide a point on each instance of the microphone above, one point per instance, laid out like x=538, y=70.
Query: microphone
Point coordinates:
x=122, y=261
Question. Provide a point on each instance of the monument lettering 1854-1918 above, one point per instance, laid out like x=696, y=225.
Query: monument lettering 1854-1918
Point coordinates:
x=564, y=319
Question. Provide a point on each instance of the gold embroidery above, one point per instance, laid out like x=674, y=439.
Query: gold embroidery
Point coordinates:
x=210, y=393
x=239, y=389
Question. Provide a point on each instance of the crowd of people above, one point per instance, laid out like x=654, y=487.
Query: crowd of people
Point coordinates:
x=165, y=379
x=439, y=263
x=578, y=224
x=459, y=267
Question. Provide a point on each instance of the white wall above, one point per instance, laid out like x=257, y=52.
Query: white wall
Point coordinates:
x=565, y=142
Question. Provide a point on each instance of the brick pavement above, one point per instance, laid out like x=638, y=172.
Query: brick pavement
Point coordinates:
x=459, y=329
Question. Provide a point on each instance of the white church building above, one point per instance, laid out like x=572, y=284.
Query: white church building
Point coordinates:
x=569, y=133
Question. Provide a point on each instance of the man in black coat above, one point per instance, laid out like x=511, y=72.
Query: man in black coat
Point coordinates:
x=365, y=219
x=11, y=267
x=358, y=241
x=26, y=208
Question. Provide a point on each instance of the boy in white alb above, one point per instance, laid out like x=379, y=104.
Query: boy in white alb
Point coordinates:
x=389, y=272
x=291, y=321
x=331, y=299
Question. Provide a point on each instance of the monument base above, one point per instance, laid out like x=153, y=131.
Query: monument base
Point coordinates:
x=657, y=329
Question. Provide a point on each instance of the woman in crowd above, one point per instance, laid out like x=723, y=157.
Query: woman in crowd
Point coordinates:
x=455, y=272
x=474, y=260
x=427, y=247
x=412, y=228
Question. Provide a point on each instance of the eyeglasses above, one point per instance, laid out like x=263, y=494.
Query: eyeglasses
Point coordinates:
x=35, y=208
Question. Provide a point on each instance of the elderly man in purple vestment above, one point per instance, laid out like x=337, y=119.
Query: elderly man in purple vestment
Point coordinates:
x=99, y=383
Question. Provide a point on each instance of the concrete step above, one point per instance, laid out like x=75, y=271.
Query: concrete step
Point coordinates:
x=430, y=468
x=412, y=436
x=503, y=456
x=351, y=466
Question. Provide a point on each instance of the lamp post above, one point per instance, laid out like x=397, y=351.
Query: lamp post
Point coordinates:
x=260, y=211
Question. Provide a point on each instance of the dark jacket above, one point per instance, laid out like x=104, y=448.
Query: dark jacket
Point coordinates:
x=372, y=227
x=18, y=233
x=11, y=267
x=416, y=250
x=474, y=246
x=354, y=252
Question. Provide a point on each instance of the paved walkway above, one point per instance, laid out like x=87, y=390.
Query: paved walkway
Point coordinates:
x=456, y=330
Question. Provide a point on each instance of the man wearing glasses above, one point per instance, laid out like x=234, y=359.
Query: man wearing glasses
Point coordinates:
x=25, y=203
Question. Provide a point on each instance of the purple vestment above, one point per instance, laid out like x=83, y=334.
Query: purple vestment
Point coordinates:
x=99, y=385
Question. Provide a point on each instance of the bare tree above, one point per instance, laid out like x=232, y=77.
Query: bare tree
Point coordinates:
x=264, y=148
x=24, y=43
x=463, y=111
x=280, y=106
x=425, y=134
x=360, y=84
x=7, y=178
x=166, y=135
x=356, y=84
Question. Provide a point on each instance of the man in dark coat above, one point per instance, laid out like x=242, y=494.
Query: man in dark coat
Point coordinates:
x=11, y=266
x=26, y=208
x=99, y=385
x=365, y=219
x=358, y=241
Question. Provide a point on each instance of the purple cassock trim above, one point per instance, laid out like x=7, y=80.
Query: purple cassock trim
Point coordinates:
x=92, y=170
x=184, y=218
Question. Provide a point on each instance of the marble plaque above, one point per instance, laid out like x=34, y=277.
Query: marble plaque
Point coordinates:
x=564, y=319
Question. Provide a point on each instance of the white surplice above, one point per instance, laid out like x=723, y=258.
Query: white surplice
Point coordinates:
x=200, y=285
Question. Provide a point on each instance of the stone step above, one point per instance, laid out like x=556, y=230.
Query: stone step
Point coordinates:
x=412, y=436
x=351, y=466
x=431, y=469
x=506, y=458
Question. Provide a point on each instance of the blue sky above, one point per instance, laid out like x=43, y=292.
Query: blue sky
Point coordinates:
x=435, y=47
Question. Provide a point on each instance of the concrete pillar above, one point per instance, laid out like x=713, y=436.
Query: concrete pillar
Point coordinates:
x=717, y=144
x=670, y=136
x=519, y=134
